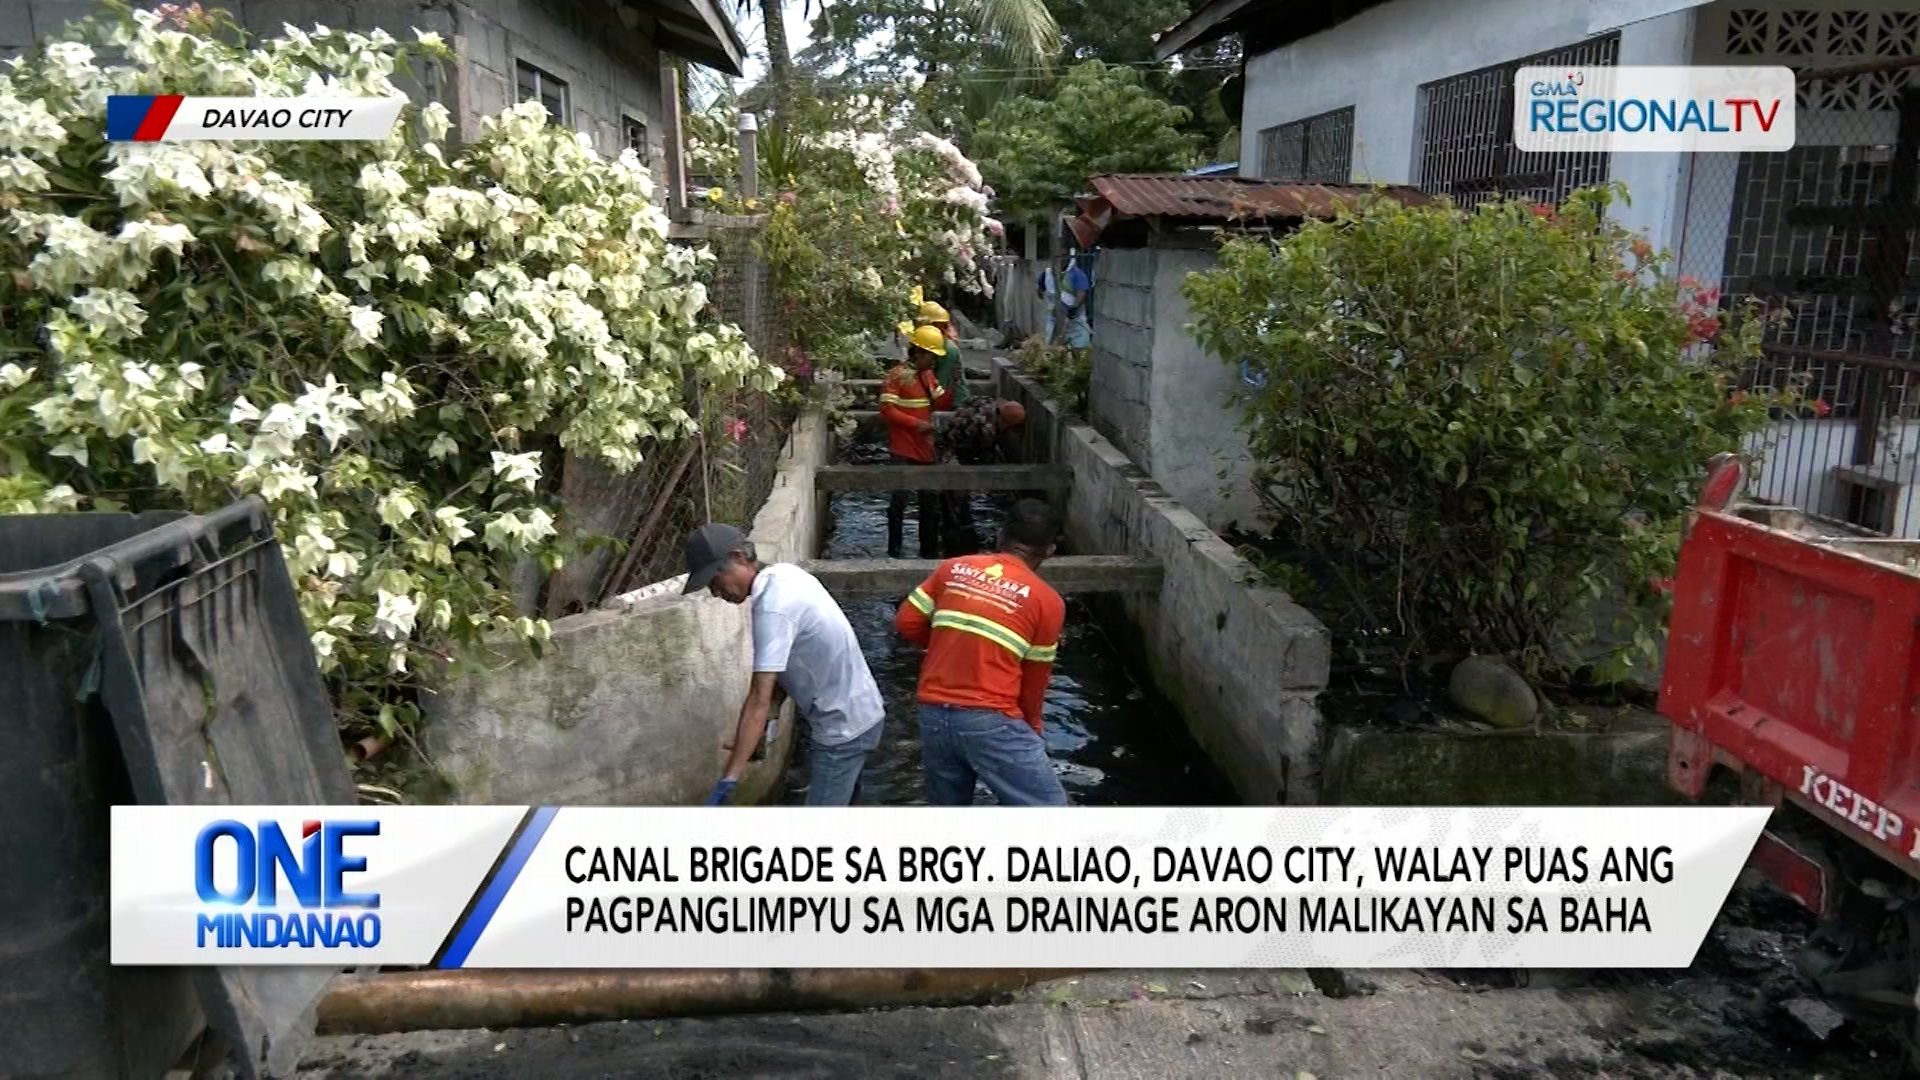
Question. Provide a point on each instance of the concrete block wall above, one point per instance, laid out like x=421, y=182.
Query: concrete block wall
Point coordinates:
x=1198, y=450
x=635, y=702
x=1119, y=397
x=1243, y=662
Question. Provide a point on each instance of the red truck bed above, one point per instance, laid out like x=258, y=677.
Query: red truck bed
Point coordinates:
x=1791, y=658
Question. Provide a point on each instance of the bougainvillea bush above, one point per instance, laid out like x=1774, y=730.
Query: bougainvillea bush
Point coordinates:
x=387, y=341
x=861, y=210
x=1483, y=421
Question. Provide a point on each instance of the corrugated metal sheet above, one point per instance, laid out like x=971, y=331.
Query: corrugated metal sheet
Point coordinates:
x=1227, y=198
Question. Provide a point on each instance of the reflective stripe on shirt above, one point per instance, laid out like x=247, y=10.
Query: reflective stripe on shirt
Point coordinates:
x=1000, y=635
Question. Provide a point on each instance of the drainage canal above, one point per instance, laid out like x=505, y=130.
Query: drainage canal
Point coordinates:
x=1113, y=740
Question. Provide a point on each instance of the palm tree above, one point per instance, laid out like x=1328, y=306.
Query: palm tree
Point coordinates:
x=1024, y=30
x=779, y=56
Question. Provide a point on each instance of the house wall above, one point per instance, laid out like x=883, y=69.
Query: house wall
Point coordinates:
x=1198, y=450
x=1120, y=394
x=573, y=42
x=1165, y=401
x=1708, y=180
x=569, y=40
x=1377, y=61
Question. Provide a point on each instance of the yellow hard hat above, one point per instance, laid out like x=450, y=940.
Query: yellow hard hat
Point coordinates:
x=931, y=312
x=929, y=338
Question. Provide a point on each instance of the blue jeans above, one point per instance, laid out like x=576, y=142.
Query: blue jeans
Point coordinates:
x=959, y=746
x=833, y=772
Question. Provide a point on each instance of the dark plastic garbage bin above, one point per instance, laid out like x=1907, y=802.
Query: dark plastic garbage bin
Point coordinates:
x=153, y=658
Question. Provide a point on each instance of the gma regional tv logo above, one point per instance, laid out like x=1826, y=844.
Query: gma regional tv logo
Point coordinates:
x=262, y=890
x=1653, y=109
x=178, y=118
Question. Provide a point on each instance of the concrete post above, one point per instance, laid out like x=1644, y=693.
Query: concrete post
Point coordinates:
x=752, y=270
x=673, y=143
x=749, y=156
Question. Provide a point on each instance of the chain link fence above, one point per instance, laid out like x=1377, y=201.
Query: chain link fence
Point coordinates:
x=630, y=527
x=1826, y=238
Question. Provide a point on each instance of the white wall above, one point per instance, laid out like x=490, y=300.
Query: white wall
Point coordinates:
x=1377, y=61
x=1707, y=183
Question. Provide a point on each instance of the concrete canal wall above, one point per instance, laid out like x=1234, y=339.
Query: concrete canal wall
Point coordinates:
x=1241, y=660
x=636, y=702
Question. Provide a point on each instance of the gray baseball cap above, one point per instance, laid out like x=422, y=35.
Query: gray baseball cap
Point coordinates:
x=707, y=549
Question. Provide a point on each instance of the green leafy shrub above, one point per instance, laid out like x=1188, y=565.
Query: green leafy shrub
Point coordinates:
x=1485, y=421
x=1064, y=373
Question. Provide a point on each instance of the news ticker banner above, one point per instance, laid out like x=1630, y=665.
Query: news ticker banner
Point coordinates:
x=513, y=887
x=178, y=118
x=1653, y=109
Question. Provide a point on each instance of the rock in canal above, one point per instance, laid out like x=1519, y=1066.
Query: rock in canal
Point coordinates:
x=1819, y=1018
x=1486, y=687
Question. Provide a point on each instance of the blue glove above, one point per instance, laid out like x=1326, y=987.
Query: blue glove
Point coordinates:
x=722, y=791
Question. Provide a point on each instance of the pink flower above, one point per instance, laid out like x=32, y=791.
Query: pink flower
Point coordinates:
x=788, y=197
x=994, y=226
x=736, y=429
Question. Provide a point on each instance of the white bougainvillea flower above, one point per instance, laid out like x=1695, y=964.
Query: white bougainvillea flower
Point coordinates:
x=366, y=325
x=395, y=615
x=521, y=469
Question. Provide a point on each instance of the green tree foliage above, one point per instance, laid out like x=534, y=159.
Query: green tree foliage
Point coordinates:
x=1123, y=32
x=1115, y=31
x=1484, y=421
x=1102, y=119
x=952, y=48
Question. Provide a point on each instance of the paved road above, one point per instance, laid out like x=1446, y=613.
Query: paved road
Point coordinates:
x=1721, y=1018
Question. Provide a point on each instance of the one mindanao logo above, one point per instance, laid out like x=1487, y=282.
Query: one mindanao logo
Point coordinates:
x=263, y=891
x=1673, y=109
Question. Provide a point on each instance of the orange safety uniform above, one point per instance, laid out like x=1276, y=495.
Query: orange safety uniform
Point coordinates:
x=991, y=629
x=907, y=396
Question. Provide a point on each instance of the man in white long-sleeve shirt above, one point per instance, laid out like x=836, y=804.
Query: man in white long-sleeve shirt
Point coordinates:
x=803, y=643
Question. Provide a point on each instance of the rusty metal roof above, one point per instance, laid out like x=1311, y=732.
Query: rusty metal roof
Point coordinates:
x=1228, y=198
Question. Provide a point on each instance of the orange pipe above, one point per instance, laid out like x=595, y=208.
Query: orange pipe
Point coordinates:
x=429, y=999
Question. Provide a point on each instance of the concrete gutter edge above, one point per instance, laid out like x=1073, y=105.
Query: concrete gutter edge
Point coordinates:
x=633, y=705
x=1239, y=658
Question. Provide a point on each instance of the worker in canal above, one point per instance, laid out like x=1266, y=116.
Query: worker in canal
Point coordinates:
x=991, y=629
x=908, y=398
x=950, y=369
x=958, y=536
x=803, y=644
x=972, y=434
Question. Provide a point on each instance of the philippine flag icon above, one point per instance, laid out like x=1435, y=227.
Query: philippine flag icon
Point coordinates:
x=140, y=117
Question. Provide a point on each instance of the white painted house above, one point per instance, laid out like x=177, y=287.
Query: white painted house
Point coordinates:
x=1419, y=92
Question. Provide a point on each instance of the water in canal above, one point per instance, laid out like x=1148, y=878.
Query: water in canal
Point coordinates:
x=1113, y=740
